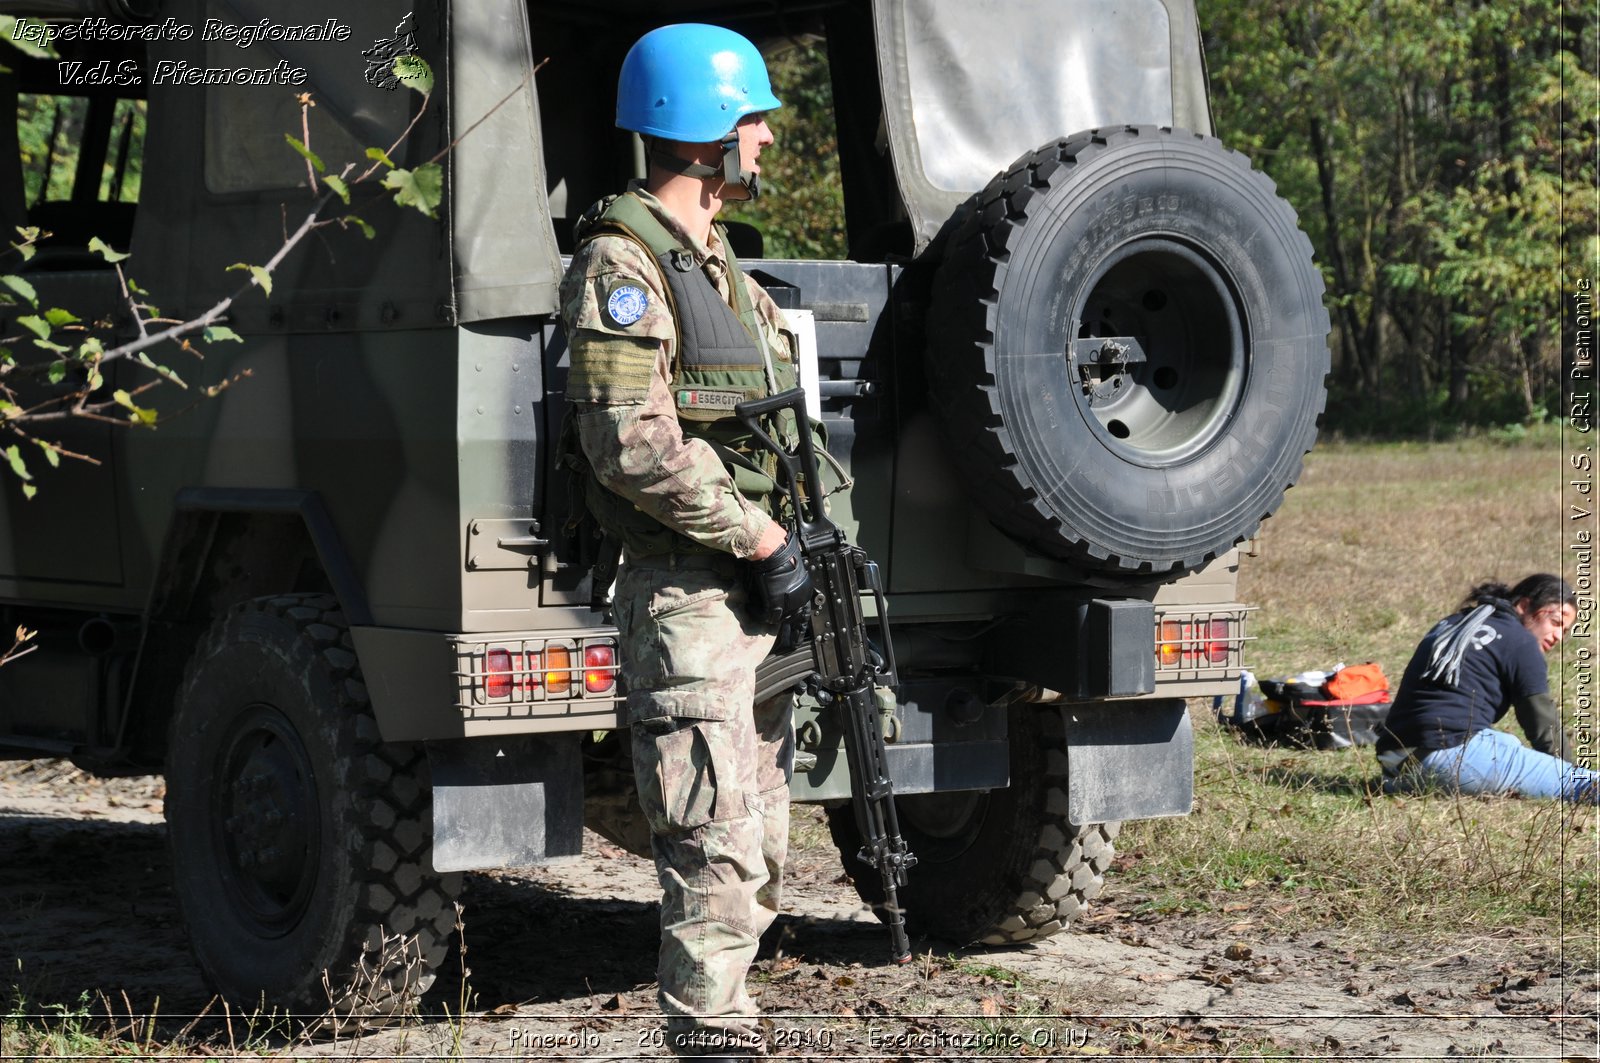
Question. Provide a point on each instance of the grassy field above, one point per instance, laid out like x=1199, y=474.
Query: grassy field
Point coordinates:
x=1376, y=543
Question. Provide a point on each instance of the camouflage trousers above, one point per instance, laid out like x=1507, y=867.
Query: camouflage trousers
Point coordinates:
x=712, y=770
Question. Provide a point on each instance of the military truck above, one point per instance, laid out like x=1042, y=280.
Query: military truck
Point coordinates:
x=1073, y=360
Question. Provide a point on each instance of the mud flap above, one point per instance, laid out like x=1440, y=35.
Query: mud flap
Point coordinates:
x=1129, y=760
x=505, y=801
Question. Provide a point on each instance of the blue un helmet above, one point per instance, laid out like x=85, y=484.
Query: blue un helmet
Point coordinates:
x=692, y=82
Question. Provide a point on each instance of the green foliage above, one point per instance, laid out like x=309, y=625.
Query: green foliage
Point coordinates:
x=305, y=152
x=1437, y=153
x=48, y=131
x=137, y=414
x=259, y=274
x=51, y=131
x=422, y=188
x=801, y=209
x=101, y=248
x=340, y=188
x=414, y=73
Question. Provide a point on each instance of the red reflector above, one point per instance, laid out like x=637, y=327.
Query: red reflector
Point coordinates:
x=600, y=667
x=497, y=682
x=1217, y=648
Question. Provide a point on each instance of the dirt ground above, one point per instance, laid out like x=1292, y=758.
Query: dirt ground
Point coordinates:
x=561, y=961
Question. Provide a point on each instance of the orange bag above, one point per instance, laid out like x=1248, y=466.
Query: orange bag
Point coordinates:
x=1357, y=680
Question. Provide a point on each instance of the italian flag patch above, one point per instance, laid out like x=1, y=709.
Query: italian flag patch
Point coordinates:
x=708, y=399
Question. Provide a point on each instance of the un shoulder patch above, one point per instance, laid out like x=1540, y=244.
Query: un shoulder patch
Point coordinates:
x=626, y=304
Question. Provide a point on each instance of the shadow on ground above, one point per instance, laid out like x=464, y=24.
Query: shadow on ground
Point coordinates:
x=91, y=922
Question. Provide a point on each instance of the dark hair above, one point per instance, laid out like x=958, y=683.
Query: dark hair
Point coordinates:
x=1539, y=590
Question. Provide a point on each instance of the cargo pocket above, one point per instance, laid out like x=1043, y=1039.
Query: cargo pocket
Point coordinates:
x=685, y=781
x=680, y=791
x=666, y=604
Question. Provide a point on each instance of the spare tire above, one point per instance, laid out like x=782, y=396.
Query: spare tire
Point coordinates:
x=1128, y=349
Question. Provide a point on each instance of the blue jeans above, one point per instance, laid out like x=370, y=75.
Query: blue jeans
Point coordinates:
x=1494, y=762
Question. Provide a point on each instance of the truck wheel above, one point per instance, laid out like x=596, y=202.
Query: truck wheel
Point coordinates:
x=997, y=867
x=1128, y=348
x=300, y=841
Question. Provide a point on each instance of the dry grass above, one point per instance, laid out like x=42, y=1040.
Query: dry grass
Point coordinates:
x=1379, y=541
x=1375, y=544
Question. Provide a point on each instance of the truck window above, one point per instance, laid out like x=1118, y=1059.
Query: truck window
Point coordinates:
x=82, y=161
x=55, y=138
x=802, y=210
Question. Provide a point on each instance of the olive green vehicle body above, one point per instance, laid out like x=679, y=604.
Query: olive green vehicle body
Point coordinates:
x=393, y=440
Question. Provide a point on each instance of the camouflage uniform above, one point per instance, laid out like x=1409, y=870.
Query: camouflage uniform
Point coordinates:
x=712, y=771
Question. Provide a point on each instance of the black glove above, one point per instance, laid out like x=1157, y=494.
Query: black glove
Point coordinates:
x=780, y=585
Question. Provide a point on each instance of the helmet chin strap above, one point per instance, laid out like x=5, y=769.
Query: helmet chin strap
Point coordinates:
x=730, y=173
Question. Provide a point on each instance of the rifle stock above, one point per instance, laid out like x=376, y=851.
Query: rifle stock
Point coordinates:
x=845, y=668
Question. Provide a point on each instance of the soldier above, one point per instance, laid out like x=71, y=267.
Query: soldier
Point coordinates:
x=666, y=336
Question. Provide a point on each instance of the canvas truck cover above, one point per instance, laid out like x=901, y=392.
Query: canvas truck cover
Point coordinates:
x=492, y=255
x=968, y=87
x=504, y=247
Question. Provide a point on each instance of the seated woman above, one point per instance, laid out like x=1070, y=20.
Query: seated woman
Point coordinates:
x=1469, y=671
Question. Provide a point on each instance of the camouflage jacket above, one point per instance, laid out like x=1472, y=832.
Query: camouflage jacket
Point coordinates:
x=620, y=379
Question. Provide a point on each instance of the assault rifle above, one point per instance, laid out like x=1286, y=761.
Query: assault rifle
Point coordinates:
x=845, y=666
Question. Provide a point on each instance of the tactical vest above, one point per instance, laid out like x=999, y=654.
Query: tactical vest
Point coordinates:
x=720, y=360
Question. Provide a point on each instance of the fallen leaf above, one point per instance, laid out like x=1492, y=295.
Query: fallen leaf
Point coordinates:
x=1214, y=977
x=616, y=1003
x=988, y=1006
x=1265, y=975
x=504, y=1009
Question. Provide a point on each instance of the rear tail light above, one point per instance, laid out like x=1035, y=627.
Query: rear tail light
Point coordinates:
x=1169, y=648
x=557, y=669
x=1217, y=648
x=498, y=679
x=537, y=670
x=599, y=669
x=1208, y=640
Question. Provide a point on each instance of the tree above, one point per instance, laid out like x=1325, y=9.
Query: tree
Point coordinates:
x=1420, y=142
x=76, y=349
x=801, y=209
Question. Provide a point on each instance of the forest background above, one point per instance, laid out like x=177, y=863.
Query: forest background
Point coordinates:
x=1440, y=153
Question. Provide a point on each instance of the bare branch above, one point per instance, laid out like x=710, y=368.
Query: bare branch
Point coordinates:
x=22, y=636
x=448, y=148
x=215, y=314
x=60, y=450
x=306, y=103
